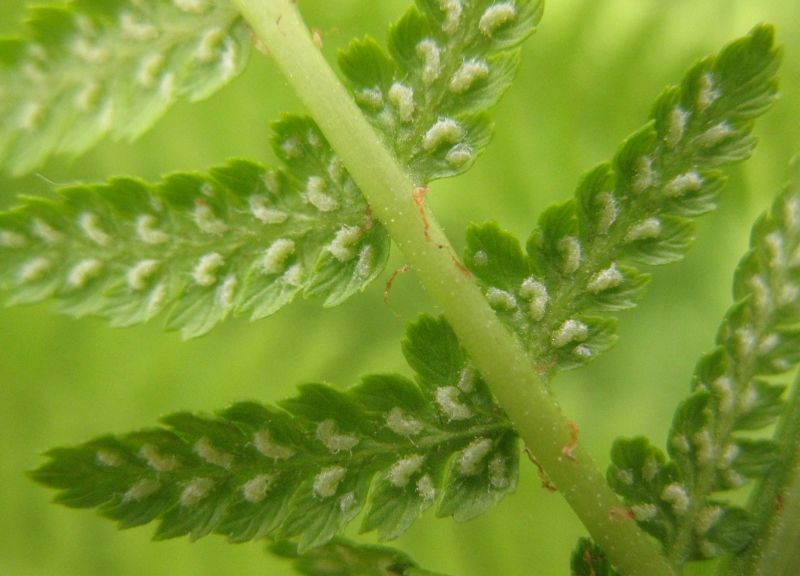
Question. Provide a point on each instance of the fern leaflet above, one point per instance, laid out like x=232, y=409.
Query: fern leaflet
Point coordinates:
x=305, y=469
x=97, y=67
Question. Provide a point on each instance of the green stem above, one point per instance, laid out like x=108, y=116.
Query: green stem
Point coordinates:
x=537, y=417
x=775, y=504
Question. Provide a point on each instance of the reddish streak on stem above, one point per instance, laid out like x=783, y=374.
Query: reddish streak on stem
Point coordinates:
x=573, y=443
x=368, y=225
x=779, y=502
x=589, y=559
x=546, y=484
x=546, y=367
x=317, y=37
x=621, y=514
x=419, y=200
x=396, y=273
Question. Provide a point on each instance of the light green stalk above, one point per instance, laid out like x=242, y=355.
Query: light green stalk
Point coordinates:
x=537, y=416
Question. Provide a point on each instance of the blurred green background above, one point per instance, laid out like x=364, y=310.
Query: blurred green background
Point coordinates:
x=588, y=78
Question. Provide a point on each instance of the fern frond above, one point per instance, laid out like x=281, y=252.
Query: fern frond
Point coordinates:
x=636, y=210
x=341, y=557
x=588, y=560
x=241, y=239
x=448, y=61
x=306, y=468
x=759, y=337
x=98, y=67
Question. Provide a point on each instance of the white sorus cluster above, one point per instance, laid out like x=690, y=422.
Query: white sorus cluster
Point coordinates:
x=570, y=331
x=33, y=270
x=714, y=135
x=709, y=549
x=205, y=272
x=745, y=339
x=747, y=399
x=471, y=457
x=724, y=391
x=729, y=454
x=676, y=495
x=370, y=97
x=193, y=6
x=582, y=352
x=208, y=452
x=294, y=276
x=775, y=246
x=91, y=54
x=259, y=209
x=135, y=29
x=458, y=155
x=402, y=424
x=313, y=138
x=32, y=116
x=84, y=271
x=139, y=274
x=327, y=481
x=767, y=344
x=467, y=378
x=264, y=444
x=402, y=97
x=272, y=181
x=788, y=294
x=315, y=194
x=645, y=175
x=429, y=52
x=644, y=512
x=425, y=488
x=677, y=125
x=537, y=292
x=12, y=239
x=605, y=280
x=196, y=490
x=707, y=94
x=625, y=477
x=90, y=224
x=650, y=468
x=680, y=443
x=679, y=185
x=156, y=460
x=208, y=47
x=147, y=231
x=149, y=68
x=46, y=232
x=497, y=15
x=401, y=471
x=207, y=222
x=497, y=472
x=501, y=299
x=342, y=245
x=227, y=292
x=608, y=212
x=453, y=11
x=704, y=445
x=87, y=99
x=327, y=433
x=570, y=248
x=228, y=61
x=255, y=490
x=346, y=502
x=292, y=148
x=336, y=170
x=707, y=518
x=108, y=458
x=761, y=292
x=447, y=397
x=480, y=258
x=366, y=262
x=445, y=130
x=156, y=301
x=142, y=489
x=791, y=213
x=644, y=230
x=470, y=72
x=166, y=88
x=273, y=261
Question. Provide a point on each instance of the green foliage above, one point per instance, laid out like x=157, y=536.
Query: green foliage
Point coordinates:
x=759, y=337
x=636, y=209
x=588, y=560
x=242, y=239
x=448, y=62
x=305, y=469
x=341, y=557
x=98, y=67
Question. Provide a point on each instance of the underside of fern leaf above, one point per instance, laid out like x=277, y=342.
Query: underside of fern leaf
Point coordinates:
x=341, y=557
x=732, y=394
x=241, y=239
x=98, y=67
x=305, y=469
x=636, y=210
x=448, y=61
